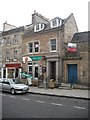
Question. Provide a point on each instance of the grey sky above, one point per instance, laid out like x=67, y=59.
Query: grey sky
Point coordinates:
x=19, y=12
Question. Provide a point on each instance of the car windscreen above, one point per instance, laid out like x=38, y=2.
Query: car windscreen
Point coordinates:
x=17, y=81
x=11, y=81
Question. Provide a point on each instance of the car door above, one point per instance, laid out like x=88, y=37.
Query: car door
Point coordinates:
x=1, y=80
x=6, y=86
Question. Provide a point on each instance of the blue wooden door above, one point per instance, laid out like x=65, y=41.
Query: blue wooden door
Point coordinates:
x=72, y=73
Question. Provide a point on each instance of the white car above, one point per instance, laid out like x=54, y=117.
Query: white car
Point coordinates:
x=13, y=86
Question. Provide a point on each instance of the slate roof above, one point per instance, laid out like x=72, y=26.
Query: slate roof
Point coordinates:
x=13, y=31
x=81, y=37
x=30, y=28
x=47, y=27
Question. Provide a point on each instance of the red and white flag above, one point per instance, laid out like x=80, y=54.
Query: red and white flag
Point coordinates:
x=72, y=47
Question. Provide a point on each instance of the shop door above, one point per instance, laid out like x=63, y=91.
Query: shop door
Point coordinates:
x=36, y=71
x=30, y=70
x=72, y=73
x=4, y=72
x=11, y=73
x=16, y=72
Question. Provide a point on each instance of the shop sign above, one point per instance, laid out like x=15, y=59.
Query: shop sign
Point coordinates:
x=36, y=58
x=26, y=59
x=17, y=65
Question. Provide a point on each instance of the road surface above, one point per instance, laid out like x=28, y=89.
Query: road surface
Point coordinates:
x=41, y=106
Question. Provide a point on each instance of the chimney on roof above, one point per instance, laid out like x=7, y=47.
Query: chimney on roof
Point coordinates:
x=34, y=11
x=7, y=26
x=5, y=21
x=36, y=17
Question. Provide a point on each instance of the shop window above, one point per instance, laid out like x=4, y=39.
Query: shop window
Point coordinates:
x=30, y=70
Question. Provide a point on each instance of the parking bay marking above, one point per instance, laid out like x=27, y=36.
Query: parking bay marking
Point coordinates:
x=56, y=104
x=40, y=101
x=83, y=108
x=12, y=96
x=25, y=99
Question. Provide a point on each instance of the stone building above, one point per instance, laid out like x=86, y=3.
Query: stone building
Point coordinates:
x=11, y=50
x=76, y=64
x=43, y=45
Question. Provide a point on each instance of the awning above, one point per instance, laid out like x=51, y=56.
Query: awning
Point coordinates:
x=26, y=75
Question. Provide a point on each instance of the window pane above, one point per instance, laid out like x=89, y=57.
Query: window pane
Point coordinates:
x=30, y=70
x=8, y=41
x=37, y=27
x=15, y=39
x=53, y=41
x=15, y=54
x=59, y=21
x=30, y=47
x=54, y=47
x=36, y=46
x=55, y=22
x=7, y=55
x=53, y=44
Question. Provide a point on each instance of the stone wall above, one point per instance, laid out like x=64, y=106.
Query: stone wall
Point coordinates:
x=70, y=28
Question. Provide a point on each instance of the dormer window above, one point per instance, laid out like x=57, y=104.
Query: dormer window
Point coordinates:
x=39, y=27
x=55, y=22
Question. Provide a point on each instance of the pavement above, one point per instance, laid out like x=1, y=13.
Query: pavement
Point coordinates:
x=80, y=92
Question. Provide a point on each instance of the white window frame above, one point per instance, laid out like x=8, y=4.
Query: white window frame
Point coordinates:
x=33, y=65
x=50, y=44
x=40, y=27
x=38, y=47
x=57, y=22
x=33, y=48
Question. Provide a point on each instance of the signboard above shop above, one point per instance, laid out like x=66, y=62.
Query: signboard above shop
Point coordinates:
x=72, y=47
x=26, y=58
x=33, y=58
x=37, y=58
x=16, y=65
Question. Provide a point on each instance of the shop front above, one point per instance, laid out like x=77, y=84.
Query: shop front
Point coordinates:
x=11, y=70
x=34, y=65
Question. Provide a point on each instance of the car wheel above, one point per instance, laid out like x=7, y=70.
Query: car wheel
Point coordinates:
x=12, y=91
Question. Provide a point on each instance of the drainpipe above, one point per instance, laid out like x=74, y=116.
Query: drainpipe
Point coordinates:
x=61, y=62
